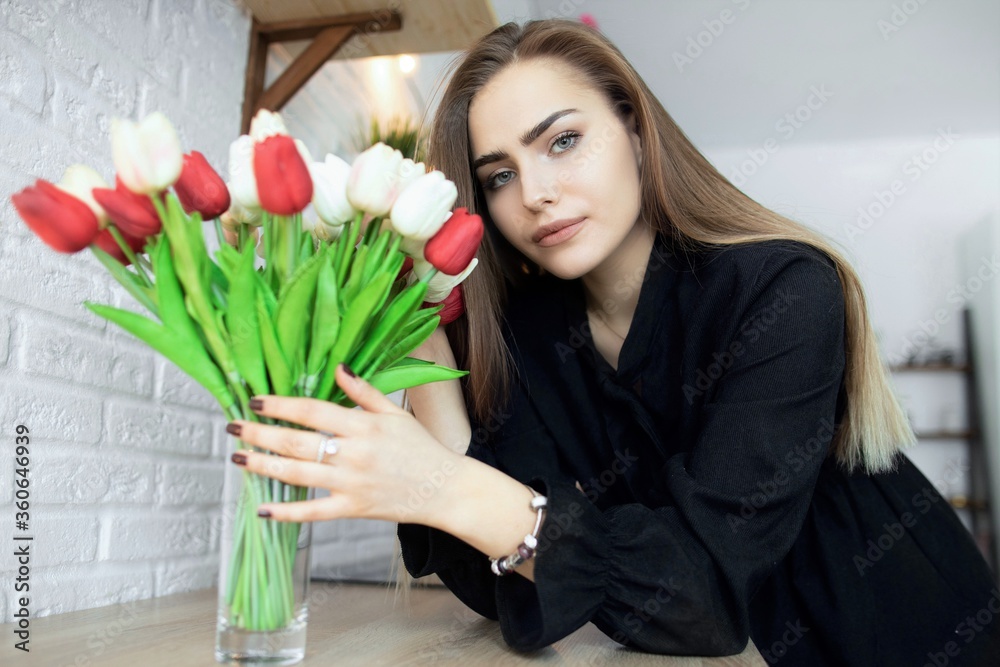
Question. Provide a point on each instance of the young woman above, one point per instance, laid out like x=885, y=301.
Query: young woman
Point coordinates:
x=688, y=379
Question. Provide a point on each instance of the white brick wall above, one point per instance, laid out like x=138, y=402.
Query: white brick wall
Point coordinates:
x=127, y=453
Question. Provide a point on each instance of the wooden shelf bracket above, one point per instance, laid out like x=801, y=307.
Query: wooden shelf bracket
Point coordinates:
x=328, y=35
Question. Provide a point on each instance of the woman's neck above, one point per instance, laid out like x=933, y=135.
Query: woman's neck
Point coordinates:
x=612, y=288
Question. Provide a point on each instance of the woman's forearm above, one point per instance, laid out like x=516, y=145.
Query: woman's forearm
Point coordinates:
x=480, y=505
x=486, y=509
x=439, y=405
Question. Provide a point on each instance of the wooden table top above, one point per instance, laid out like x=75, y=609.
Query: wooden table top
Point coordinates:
x=349, y=624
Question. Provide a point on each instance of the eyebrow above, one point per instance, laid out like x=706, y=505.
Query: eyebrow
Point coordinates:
x=526, y=139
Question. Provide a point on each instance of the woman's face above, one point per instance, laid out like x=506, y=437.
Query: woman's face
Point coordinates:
x=547, y=148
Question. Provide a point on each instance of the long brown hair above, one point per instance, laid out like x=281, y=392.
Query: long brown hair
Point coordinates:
x=683, y=197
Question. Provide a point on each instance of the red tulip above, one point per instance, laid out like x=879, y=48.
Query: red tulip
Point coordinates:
x=407, y=266
x=455, y=244
x=200, y=188
x=133, y=214
x=106, y=242
x=454, y=306
x=59, y=219
x=284, y=185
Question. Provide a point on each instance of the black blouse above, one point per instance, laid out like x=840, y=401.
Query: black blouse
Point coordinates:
x=711, y=509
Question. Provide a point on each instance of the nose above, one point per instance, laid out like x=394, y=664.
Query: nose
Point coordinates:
x=539, y=188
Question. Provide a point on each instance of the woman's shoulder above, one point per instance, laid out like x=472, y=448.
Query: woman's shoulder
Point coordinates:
x=753, y=265
x=758, y=254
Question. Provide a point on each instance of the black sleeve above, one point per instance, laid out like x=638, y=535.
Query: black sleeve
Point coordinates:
x=462, y=568
x=678, y=579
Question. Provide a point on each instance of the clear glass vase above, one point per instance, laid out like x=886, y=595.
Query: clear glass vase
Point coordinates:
x=263, y=572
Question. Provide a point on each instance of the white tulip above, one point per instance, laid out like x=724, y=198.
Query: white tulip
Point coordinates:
x=440, y=284
x=242, y=181
x=413, y=247
x=79, y=180
x=422, y=208
x=410, y=171
x=373, y=184
x=239, y=215
x=147, y=155
x=266, y=124
x=330, y=190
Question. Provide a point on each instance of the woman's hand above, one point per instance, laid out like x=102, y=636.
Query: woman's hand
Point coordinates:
x=387, y=465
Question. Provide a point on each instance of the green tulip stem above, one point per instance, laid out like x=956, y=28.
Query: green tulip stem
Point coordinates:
x=218, y=232
x=130, y=254
x=426, y=278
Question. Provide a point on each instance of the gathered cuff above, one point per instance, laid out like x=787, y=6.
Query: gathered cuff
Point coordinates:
x=427, y=550
x=571, y=571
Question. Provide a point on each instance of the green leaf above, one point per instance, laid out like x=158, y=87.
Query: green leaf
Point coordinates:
x=376, y=256
x=229, y=259
x=411, y=375
x=326, y=317
x=352, y=325
x=173, y=311
x=188, y=355
x=398, y=312
x=355, y=282
x=294, y=306
x=394, y=353
x=127, y=279
x=274, y=358
x=244, y=330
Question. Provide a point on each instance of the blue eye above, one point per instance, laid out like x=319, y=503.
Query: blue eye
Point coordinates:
x=567, y=135
x=494, y=182
x=562, y=143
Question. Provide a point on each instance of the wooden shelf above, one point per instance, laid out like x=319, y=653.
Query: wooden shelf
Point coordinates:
x=961, y=368
x=971, y=504
x=945, y=435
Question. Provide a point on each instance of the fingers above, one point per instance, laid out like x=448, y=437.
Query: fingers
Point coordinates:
x=288, y=470
x=324, y=415
x=291, y=442
x=310, y=412
x=320, y=509
x=364, y=394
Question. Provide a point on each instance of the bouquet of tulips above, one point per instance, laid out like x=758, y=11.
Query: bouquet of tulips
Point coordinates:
x=364, y=283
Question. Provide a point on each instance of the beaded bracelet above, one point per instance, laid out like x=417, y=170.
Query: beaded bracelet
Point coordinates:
x=526, y=549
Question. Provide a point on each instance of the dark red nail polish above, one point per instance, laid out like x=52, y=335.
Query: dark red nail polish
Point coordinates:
x=264, y=514
x=347, y=369
x=239, y=459
x=256, y=404
x=234, y=429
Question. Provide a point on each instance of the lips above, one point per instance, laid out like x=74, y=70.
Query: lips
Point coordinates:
x=553, y=227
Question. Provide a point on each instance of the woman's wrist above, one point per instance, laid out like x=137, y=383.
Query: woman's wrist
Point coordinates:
x=484, y=508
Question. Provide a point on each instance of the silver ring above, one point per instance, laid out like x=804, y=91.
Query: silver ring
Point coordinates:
x=327, y=445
